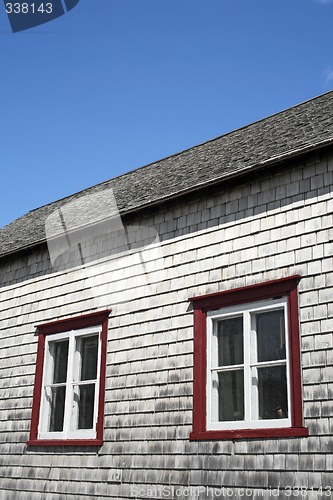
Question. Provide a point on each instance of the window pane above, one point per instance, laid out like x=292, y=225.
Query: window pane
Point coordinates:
x=86, y=406
x=60, y=357
x=230, y=341
x=57, y=408
x=231, y=395
x=271, y=335
x=89, y=351
x=272, y=387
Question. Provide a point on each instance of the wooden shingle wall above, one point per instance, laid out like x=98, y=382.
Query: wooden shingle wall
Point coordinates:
x=278, y=225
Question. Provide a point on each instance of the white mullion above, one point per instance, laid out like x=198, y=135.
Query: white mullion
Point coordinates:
x=286, y=333
x=45, y=409
x=253, y=368
x=79, y=383
x=229, y=368
x=69, y=385
x=76, y=379
x=97, y=380
x=268, y=364
x=209, y=386
x=58, y=384
x=247, y=367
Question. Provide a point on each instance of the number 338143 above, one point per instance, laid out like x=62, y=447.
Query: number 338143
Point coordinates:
x=29, y=8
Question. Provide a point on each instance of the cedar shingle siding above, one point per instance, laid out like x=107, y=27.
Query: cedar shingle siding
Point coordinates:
x=251, y=206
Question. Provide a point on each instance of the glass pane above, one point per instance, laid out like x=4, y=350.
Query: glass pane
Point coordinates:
x=272, y=387
x=86, y=406
x=231, y=395
x=57, y=408
x=271, y=335
x=60, y=357
x=230, y=341
x=89, y=351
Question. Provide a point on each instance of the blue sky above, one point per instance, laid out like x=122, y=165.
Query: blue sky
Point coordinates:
x=117, y=84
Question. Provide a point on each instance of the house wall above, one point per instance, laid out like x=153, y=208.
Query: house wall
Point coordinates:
x=278, y=225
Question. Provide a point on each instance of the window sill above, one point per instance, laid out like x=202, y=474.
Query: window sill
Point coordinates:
x=250, y=433
x=65, y=442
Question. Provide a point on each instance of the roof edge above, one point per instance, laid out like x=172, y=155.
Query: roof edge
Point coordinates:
x=288, y=155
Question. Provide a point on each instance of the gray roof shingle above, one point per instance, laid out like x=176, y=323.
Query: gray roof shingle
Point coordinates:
x=289, y=133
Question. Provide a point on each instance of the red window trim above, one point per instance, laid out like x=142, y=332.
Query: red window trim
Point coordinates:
x=261, y=291
x=76, y=323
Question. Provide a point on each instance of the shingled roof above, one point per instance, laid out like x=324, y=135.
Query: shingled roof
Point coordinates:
x=295, y=131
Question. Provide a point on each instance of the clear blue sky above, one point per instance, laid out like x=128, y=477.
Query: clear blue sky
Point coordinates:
x=117, y=84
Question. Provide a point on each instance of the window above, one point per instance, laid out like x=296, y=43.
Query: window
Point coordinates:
x=247, y=377
x=68, y=401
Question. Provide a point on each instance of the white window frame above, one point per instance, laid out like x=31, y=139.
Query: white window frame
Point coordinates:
x=249, y=347
x=73, y=368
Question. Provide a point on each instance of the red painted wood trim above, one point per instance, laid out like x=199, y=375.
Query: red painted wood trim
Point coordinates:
x=200, y=361
x=78, y=322
x=101, y=397
x=84, y=321
x=65, y=442
x=37, y=388
x=251, y=293
x=262, y=291
x=295, y=362
x=250, y=433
